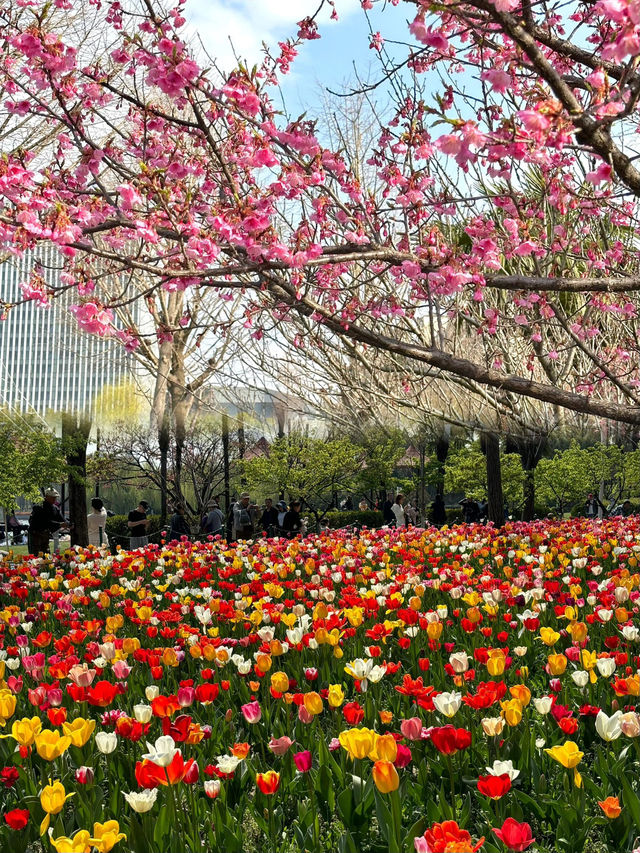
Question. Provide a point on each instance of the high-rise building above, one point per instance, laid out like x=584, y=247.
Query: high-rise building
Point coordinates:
x=46, y=363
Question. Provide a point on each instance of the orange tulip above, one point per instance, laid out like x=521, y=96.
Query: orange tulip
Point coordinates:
x=611, y=807
x=385, y=777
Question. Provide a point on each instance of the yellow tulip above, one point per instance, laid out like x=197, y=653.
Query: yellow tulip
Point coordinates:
x=512, y=711
x=52, y=799
x=50, y=744
x=557, y=664
x=335, y=696
x=7, y=706
x=549, y=637
x=107, y=835
x=496, y=662
x=80, y=843
x=385, y=777
x=79, y=730
x=24, y=731
x=279, y=682
x=578, y=631
x=357, y=742
x=568, y=754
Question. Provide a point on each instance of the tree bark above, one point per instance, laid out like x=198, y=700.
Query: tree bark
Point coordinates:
x=164, y=440
x=442, y=451
x=75, y=437
x=491, y=449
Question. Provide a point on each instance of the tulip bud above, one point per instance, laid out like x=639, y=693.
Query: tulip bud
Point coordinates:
x=192, y=773
x=212, y=788
x=84, y=775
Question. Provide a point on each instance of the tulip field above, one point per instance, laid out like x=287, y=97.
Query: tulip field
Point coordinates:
x=440, y=690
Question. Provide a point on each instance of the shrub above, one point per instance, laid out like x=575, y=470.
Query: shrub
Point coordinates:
x=343, y=518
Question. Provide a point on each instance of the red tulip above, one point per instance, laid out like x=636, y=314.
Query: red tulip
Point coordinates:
x=17, y=818
x=449, y=740
x=268, y=782
x=516, y=836
x=102, y=694
x=494, y=786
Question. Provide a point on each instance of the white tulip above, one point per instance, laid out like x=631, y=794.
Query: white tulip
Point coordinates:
x=162, y=752
x=543, y=704
x=608, y=727
x=580, y=678
x=606, y=667
x=501, y=768
x=142, y=801
x=152, y=692
x=142, y=713
x=448, y=704
x=106, y=742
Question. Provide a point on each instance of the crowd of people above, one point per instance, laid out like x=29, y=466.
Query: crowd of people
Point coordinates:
x=247, y=519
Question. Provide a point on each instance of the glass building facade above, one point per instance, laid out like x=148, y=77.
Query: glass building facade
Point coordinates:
x=47, y=364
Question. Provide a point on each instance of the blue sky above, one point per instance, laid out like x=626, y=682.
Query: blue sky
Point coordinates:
x=325, y=62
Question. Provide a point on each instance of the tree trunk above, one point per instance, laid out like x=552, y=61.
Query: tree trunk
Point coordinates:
x=225, y=463
x=75, y=437
x=491, y=449
x=442, y=451
x=164, y=440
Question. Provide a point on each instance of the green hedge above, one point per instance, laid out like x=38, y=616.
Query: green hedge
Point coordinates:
x=343, y=518
x=117, y=527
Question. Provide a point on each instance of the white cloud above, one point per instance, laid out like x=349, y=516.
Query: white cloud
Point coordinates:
x=241, y=26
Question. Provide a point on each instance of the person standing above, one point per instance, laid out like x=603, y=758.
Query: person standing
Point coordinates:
x=410, y=514
x=398, y=511
x=269, y=518
x=282, y=511
x=593, y=506
x=138, y=524
x=45, y=519
x=179, y=526
x=97, y=524
x=214, y=520
x=292, y=524
x=387, y=513
x=243, y=518
x=438, y=511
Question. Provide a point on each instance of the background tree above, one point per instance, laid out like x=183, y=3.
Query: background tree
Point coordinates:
x=203, y=187
x=32, y=459
x=305, y=468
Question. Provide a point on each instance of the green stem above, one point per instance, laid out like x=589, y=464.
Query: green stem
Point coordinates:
x=452, y=787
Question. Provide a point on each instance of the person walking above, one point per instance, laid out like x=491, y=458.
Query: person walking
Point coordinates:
x=243, y=518
x=269, y=518
x=398, y=511
x=138, y=524
x=179, y=526
x=410, y=514
x=97, y=524
x=45, y=520
x=292, y=523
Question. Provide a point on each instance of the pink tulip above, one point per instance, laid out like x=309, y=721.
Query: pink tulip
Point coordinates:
x=280, y=746
x=303, y=760
x=186, y=696
x=121, y=670
x=252, y=712
x=304, y=716
x=412, y=728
